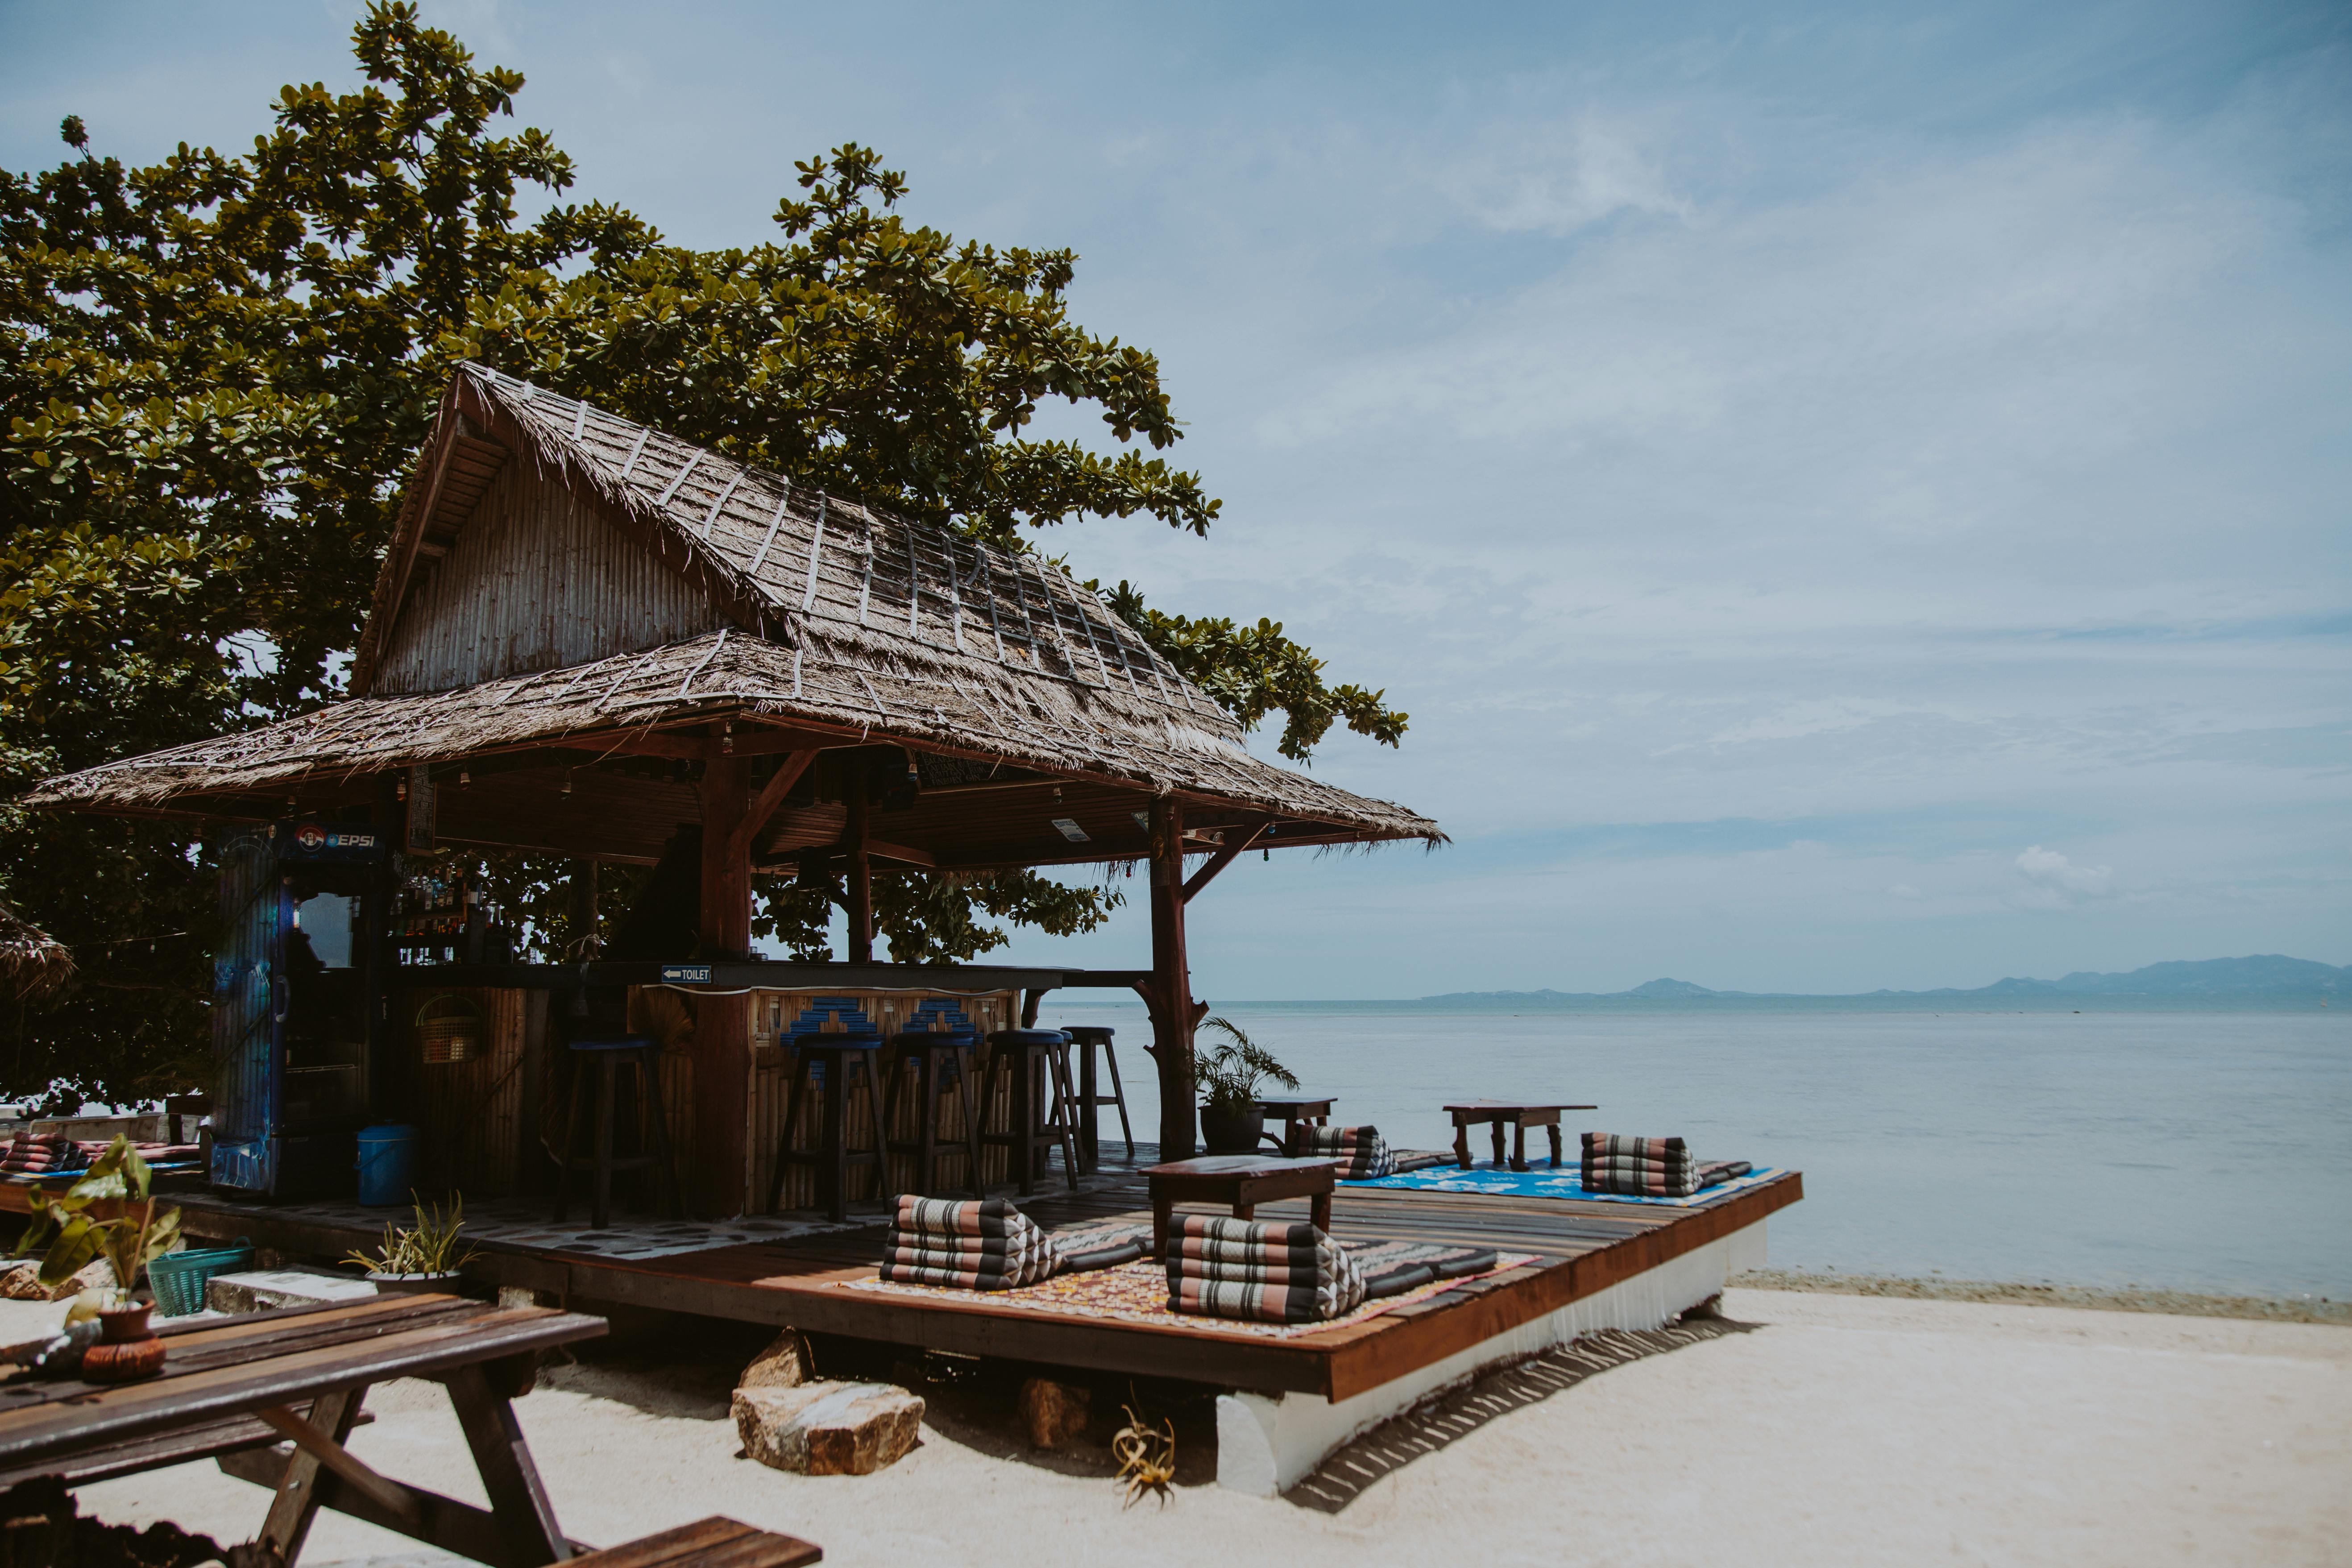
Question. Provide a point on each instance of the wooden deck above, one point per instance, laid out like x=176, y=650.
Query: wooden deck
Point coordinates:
x=1580, y=1249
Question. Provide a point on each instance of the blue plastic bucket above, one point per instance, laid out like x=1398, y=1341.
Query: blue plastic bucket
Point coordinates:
x=387, y=1164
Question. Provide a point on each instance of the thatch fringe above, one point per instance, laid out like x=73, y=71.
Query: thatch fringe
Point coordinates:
x=33, y=963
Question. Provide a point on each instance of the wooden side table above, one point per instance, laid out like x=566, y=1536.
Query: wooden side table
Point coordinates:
x=1501, y=1113
x=1240, y=1181
x=1295, y=1109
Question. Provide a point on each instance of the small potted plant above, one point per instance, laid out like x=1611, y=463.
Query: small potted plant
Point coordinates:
x=77, y=1231
x=420, y=1257
x=1228, y=1076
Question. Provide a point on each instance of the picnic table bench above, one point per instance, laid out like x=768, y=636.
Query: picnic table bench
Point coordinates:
x=231, y=1388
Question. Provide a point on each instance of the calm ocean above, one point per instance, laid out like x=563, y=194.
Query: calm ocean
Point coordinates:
x=2170, y=1147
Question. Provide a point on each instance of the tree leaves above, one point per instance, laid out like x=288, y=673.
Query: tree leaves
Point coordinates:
x=216, y=371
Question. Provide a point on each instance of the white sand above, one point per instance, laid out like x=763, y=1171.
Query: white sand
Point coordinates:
x=1841, y=1429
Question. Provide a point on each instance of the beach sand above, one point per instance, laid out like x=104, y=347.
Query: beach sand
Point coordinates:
x=1804, y=1428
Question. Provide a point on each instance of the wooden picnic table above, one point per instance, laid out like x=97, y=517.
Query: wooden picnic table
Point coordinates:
x=1519, y=1115
x=1241, y=1181
x=233, y=1387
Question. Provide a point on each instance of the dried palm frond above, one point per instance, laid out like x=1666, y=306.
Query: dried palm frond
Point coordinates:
x=33, y=963
x=1146, y=1457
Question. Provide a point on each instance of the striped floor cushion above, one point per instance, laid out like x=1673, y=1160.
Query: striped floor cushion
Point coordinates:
x=1219, y=1266
x=1638, y=1167
x=1362, y=1152
x=1086, y=1247
x=978, y=1245
x=1392, y=1267
x=37, y=1153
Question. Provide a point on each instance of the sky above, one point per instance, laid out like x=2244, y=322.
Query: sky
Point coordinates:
x=1849, y=497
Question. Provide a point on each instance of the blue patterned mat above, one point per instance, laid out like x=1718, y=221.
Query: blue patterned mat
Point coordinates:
x=1543, y=1182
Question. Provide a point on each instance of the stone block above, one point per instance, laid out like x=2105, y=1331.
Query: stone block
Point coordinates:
x=1054, y=1415
x=785, y=1364
x=828, y=1428
x=258, y=1290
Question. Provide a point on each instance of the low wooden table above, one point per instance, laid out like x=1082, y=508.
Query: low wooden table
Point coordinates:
x=1242, y=1180
x=1502, y=1113
x=1295, y=1109
x=231, y=1388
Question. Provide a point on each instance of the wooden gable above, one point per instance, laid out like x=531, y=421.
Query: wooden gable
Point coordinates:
x=536, y=576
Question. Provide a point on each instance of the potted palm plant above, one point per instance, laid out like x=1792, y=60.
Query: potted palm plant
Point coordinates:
x=1228, y=1076
x=423, y=1257
x=108, y=1212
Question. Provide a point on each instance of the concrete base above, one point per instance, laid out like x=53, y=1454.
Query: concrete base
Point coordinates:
x=257, y=1290
x=1266, y=1445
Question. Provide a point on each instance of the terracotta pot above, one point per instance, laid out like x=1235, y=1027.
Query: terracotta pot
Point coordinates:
x=446, y=1283
x=1233, y=1132
x=127, y=1349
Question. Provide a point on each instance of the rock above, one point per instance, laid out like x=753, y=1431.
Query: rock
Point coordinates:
x=23, y=1283
x=786, y=1363
x=828, y=1428
x=1053, y=1413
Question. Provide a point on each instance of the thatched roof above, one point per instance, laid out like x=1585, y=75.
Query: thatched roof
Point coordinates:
x=33, y=963
x=840, y=618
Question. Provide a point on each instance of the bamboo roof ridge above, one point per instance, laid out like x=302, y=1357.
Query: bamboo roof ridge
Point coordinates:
x=837, y=616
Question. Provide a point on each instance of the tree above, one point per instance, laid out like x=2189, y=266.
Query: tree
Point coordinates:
x=216, y=372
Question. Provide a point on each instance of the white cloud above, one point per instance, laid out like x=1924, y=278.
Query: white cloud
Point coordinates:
x=2053, y=882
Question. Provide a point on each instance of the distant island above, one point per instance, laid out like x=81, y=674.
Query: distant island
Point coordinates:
x=2263, y=974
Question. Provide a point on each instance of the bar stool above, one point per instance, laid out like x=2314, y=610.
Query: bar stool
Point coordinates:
x=605, y=1056
x=936, y=1058
x=833, y=1157
x=1032, y=1060
x=1085, y=1037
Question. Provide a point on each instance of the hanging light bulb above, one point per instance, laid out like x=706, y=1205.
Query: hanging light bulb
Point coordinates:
x=400, y=790
x=567, y=779
x=464, y=779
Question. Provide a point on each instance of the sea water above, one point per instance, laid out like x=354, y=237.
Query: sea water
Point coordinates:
x=2165, y=1147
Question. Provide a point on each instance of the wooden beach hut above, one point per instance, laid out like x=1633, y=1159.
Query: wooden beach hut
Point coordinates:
x=591, y=640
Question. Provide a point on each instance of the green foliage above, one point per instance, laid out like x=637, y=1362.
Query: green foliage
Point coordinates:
x=216, y=371
x=1252, y=671
x=75, y=1233
x=1229, y=1075
x=431, y=1246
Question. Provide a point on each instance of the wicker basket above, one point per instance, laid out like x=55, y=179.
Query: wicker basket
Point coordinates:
x=449, y=1029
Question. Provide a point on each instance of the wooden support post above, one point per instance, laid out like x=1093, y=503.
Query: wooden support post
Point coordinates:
x=297, y=1502
x=583, y=910
x=719, y=1183
x=1170, y=997
x=861, y=867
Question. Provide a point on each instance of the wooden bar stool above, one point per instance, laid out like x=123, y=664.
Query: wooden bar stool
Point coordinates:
x=833, y=1057
x=604, y=1058
x=934, y=1059
x=1085, y=1037
x=1032, y=1060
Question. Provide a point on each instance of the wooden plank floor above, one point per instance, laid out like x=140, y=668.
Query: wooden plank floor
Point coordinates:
x=1580, y=1249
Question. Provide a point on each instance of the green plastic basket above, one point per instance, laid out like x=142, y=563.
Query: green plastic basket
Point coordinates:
x=179, y=1277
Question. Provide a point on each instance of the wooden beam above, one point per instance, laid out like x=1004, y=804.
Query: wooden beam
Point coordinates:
x=1170, y=998
x=861, y=869
x=771, y=796
x=720, y=1179
x=288, y=1523
x=451, y=1525
x=906, y=853
x=1222, y=859
x=391, y=1499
